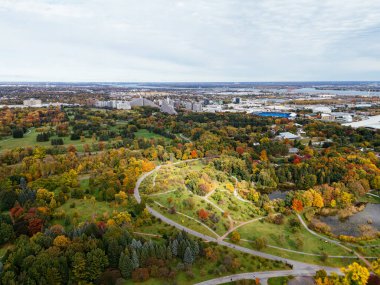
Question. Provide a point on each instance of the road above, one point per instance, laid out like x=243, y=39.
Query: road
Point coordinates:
x=298, y=267
x=263, y=276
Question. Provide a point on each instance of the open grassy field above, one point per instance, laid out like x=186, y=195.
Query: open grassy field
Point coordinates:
x=30, y=140
x=238, y=210
x=167, y=187
x=80, y=210
x=282, y=236
x=170, y=177
x=185, y=221
x=144, y=133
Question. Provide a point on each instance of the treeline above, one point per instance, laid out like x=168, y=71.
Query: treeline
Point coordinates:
x=96, y=253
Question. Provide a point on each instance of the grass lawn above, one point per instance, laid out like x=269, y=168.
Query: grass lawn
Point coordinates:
x=30, y=140
x=239, y=211
x=170, y=182
x=144, y=133
x=370, y=199
x=281, y=236
x=85, y=210
x=369, y=251
x=157, y=228
x=278, y=280
x=185, y=221
x=179, y=196
x=84, y=183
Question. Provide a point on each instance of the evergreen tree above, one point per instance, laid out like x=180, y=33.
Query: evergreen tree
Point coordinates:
x=96, y=261
x=188, y=257
x=195, y=248
x=135, y=260
x=169, y=253
x=125, y=266
x=113, y=253
x=175, y=248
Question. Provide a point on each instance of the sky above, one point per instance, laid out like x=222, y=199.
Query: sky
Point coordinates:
x=189, y=40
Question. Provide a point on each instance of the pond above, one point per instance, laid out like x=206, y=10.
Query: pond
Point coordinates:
x=277, y=195
x=350, y=226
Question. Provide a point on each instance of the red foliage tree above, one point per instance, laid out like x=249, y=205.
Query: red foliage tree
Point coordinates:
x=297, y=159
x=35, y=225
x=16, y=211
x=203, y=214
x=240, y=150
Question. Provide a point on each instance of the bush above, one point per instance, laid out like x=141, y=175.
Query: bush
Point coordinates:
x=260, y=243
x=74, y=137
x=18, y=133
x=43, y=137
x=57, y=141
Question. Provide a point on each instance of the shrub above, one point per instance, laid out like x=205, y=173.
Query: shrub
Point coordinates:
x=18, y=133
x=57, y=141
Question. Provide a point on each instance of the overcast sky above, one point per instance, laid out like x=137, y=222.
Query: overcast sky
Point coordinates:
x=189, y=40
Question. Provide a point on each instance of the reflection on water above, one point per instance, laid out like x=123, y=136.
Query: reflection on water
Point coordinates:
x=351, y=225
x=277, y=195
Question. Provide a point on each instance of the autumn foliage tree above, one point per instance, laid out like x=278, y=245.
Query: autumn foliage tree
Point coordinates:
x=203, y=214
x=297, y=205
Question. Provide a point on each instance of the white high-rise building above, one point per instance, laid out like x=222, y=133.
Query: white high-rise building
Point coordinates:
x=32, y=103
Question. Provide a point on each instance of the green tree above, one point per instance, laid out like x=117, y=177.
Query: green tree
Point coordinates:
x=188, y=257
x=125, y=265
x=96, y=261
x=79, y=266
x=6, y=233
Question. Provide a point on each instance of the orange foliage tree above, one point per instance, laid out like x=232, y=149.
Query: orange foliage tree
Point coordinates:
x=297, y=205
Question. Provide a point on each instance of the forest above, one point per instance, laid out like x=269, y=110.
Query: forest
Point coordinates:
x=68, y=214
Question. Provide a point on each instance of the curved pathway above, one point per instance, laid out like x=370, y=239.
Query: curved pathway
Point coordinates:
x=240, y=225
x=373, y=195
x=262, y=276
x=338, y=243
x=298, y=267
x=236, y=194
x=185, y=138
x=191, y=218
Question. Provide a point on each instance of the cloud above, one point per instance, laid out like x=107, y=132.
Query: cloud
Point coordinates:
x=198, y=40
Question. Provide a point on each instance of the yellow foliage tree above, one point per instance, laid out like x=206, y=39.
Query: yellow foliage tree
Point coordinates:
x=44, y=195
x=356, y=274
x=122, y=218
x=235, y=237
x=61, y=241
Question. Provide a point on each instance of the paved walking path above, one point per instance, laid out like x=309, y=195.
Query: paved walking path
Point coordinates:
x=263, y=276
x=338, y=243
x=236, y=194
x=185, y=138
x=296, y=265
x=240, y=225
x=191, y=218
x=373, y=195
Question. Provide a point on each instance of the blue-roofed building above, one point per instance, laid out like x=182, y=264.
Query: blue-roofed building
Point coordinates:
x=276, y=114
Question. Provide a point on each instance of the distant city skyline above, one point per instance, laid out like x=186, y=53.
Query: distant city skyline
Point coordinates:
x=189, y=41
